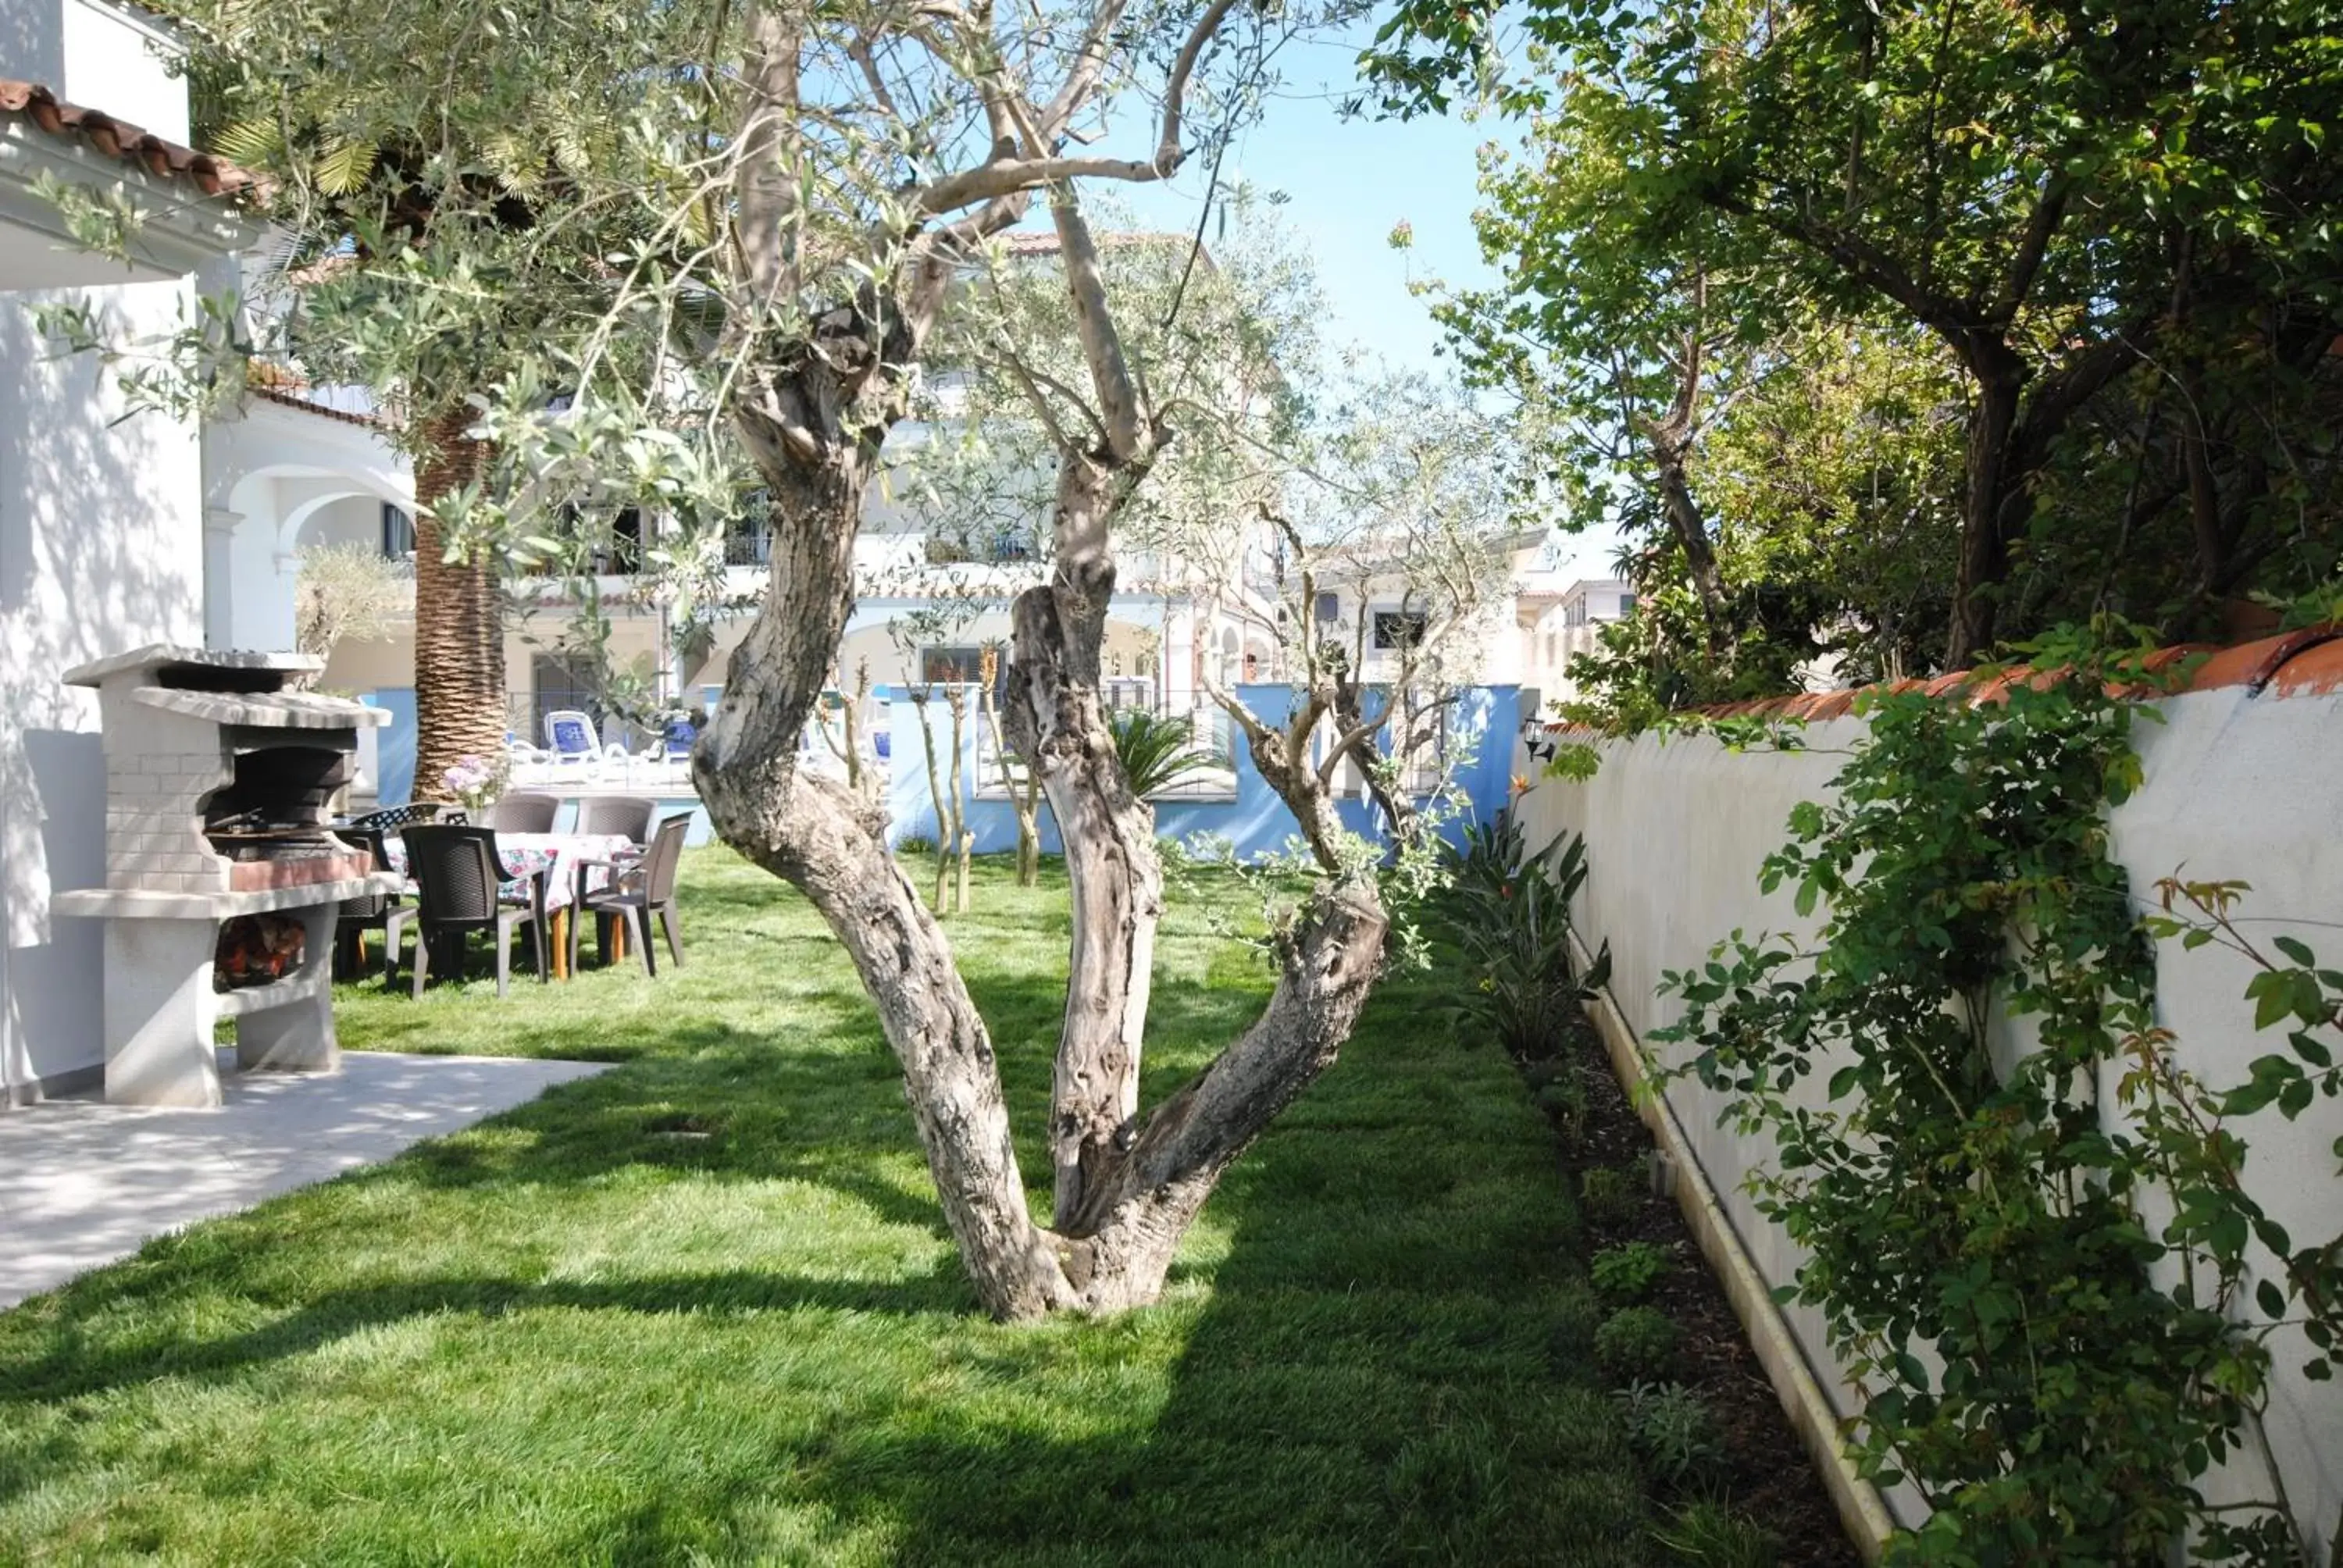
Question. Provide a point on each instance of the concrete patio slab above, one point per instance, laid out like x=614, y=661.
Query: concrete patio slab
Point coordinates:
x=83, y=1183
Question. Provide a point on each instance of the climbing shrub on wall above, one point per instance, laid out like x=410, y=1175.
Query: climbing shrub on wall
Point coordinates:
x=2053, y=1369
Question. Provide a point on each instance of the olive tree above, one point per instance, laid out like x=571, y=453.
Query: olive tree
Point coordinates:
x=760, y=212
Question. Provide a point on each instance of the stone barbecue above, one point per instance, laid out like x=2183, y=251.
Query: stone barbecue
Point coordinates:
x=224, y=879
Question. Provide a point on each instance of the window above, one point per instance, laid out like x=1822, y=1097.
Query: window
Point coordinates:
x=749, y=535
x=1626, y=605
x=560, y=681
x=626, y=553
x=1397, y=629
x=1330, y=608
x=952, y=666
x=398, y=533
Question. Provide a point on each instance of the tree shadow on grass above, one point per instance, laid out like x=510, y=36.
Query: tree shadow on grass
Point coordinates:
x=1379, y=1335
x=1390, y=1365
x=75, y=1370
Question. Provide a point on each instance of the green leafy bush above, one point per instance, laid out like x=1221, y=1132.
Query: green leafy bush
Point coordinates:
x=2095, y=1355
x=1609, y=1196
x=1509, y=911
x=1671, y=1431
x=1158, y=749
x=1635, y=1343
x=1564, y=1097
x=1627, y=1273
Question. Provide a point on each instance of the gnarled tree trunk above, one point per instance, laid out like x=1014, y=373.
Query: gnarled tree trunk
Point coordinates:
x=813, y=406
x=1058, y=722
x=459, y=655
x=1129, y=1184
x=814, y=833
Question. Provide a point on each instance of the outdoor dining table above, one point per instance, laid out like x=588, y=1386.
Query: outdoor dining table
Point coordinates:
x=560, y=858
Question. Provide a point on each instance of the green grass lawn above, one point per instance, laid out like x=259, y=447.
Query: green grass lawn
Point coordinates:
x=702, y=1307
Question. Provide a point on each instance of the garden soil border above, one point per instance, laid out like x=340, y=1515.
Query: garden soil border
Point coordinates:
x=1820, y=1518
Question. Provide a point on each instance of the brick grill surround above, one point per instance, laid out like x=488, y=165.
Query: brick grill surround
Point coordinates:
x=154, y=819
x=219, y=784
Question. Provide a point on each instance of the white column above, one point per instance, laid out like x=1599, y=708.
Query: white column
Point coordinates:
x=1178, y=655
x=276, y=624
x=219, y=576
x=159, y=1011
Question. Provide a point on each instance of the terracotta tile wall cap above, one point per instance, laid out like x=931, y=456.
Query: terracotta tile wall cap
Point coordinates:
x=2284, y=650
x=2313, y=672
x=2164, y=658
x=128, y=143
x=2234, y=666
x=293, y=400
x=1833, y=705
x=2306, y=663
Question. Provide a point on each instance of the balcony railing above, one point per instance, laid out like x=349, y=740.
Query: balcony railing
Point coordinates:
x=1210, y=731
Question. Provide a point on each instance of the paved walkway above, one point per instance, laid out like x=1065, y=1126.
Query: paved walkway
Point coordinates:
x=83, y=1183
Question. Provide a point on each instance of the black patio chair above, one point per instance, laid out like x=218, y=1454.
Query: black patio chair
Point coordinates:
x=522, y=813
x=457, y=876
x=390, y=819
x=368, y=911
x=385, y=912
x=628, y=816
x=639, y=890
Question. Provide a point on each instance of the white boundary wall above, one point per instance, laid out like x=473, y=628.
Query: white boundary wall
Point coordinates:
x=2237, y=787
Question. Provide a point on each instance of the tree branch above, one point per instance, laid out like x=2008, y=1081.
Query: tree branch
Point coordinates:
x=767, y=181
x=2049, y=211
x=1360, y=731
x=1088, y=65
x=1003, y=176
x=2059, y=397
x=1168, y=156
x=1128, y=434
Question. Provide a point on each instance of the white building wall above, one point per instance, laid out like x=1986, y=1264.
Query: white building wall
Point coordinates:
x=33, y=41
x=101, y=550
x=2237, y=787
x=98, y=55
x=279, y=478
x=116, y=60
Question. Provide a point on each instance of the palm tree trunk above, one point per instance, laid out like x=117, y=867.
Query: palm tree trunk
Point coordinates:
x=459, y=660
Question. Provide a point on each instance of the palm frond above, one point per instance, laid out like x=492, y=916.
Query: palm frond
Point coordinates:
x=256, y=142
x=1157, y=749
x=344, y=166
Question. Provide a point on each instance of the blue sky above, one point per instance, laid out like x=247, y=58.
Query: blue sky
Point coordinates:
x=1347, y=183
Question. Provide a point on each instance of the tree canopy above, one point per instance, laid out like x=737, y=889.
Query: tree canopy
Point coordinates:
x=2112, y=223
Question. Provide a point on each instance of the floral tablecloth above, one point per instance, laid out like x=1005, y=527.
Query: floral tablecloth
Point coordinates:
x=528, y=853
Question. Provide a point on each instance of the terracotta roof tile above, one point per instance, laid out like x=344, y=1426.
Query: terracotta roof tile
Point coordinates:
x=1044, y=241
x=291, y=399
x=120, y=139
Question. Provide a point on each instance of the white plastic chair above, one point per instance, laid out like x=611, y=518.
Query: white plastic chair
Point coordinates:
x=572, y=738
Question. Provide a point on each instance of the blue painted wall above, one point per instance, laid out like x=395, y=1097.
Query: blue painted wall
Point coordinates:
x=1256, y=824
x=394, y=746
